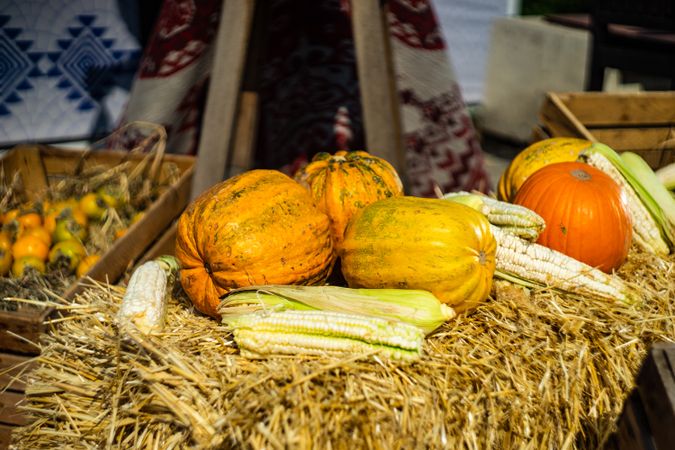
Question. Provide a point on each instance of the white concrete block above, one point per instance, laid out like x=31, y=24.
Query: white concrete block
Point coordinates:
x=529, y=57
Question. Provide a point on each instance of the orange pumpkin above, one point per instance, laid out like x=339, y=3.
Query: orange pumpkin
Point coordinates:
x=260, y=227
x=346, y=182
x=585, y=213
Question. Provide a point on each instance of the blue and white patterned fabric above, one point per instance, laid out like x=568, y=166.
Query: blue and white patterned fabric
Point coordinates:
x=66, y=67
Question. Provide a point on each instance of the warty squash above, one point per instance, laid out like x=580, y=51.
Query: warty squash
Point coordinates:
x=260, y=227
x=347, y=181
x=416, y=243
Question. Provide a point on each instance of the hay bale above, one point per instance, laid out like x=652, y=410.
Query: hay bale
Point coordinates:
x=527, y=369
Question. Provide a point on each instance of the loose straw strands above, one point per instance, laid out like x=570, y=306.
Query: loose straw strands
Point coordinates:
x=525, y=370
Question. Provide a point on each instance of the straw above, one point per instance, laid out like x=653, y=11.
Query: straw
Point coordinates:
x=525, y=370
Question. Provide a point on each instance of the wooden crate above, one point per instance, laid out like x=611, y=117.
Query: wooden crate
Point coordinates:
x=648, y=417
x=641, y=122
x=40, y=165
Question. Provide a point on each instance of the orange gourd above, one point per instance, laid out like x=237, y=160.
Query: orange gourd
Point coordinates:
x=260, y=227
x=585, y=213
x=346, y=182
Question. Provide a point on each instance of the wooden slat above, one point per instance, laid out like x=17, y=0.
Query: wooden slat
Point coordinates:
x=559, y=120
x=5, y=436
x=18, y=364
x=379, y=102
x=656, y=385
x=27, y=323
x=9, y=413
x=165, y=245
x=218, y=127
x=26, y=161
x=643, y=141
x=635, y=108
x=245, y=137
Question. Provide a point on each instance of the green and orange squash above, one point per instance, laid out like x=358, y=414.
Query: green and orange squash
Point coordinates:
x=260, y=227
x=345, y=182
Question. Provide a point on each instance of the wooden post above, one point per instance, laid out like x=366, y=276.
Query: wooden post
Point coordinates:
x=379, y=99
x=219, y=124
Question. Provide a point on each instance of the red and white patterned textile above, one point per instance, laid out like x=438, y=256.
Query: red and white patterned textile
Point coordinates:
x=308, y=88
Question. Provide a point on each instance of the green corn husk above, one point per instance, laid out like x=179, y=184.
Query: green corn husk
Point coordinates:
x=647, y=186
x=416, y=307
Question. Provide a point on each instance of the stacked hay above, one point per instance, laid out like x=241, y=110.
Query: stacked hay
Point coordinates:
x=527, y=370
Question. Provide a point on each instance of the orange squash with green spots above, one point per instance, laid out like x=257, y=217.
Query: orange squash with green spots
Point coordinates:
x=260, y=227
x=346, y=182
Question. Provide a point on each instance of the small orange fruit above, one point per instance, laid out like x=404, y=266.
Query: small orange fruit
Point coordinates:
x=5, y=240
x=40, y=232
x=111, y=195
x=86, y=264
x=119, y=233
x=67, y=229
x=70, y=251
x=93, y=206
x=21, y=265
x=30, y=220
x=30, y=246
x=60, y=205
x=5, y=261
x=10, y=215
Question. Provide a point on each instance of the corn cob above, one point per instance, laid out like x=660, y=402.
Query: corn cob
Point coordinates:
x=645, y=229
x=416, y=307
x=324, y=333
x=647, y=187
x=531, y=264
x=666, y=176
x=144, y=302
x=514, y=219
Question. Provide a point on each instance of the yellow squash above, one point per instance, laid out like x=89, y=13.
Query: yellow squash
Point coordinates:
x=416, y=243
x=536, y=156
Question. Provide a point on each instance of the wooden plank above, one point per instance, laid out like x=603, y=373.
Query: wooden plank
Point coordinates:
x=656, y=385
x=12, y=366
x=643, y=141
x=218, y=127
x=26, y=161
x=243, y=150
x=633, y=431
x=379, y=102
x=27, y=323
x=9, y=413
x=555, y=115
x=5, y=436
x=634, y=108
x=165, y=245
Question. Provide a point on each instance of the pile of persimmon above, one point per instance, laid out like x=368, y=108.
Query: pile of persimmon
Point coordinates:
x=51, y=234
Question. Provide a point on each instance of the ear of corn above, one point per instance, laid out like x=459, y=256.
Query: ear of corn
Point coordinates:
x=416, y=307
x=144, y=301
x=324, y=333
x=647, y=187
x=646, y=232
x=514, y=219
x=666, y=176
x=531, y=265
